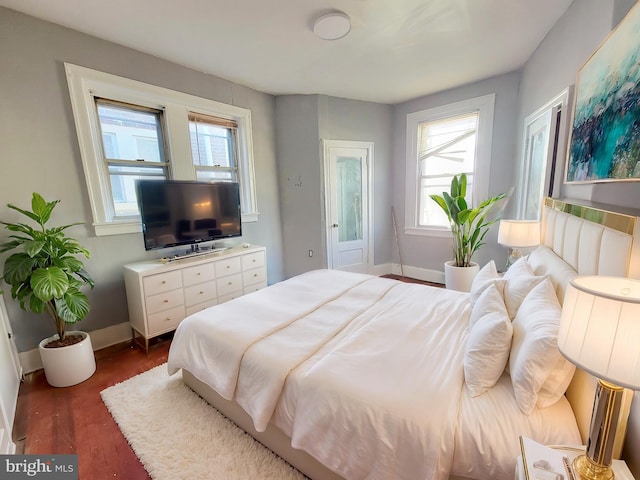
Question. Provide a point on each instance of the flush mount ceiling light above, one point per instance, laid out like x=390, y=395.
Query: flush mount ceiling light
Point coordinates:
x=332, y=25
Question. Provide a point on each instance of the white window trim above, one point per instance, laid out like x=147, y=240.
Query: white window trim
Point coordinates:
x=85, y=84
x=484, y=105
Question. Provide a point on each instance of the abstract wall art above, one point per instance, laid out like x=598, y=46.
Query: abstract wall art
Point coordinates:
x=605, y=135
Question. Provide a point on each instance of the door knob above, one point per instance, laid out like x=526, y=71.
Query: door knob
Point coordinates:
x=335, y=225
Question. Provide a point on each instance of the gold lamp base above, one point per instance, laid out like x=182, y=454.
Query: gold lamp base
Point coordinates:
x=596, y=464
x=585, y=469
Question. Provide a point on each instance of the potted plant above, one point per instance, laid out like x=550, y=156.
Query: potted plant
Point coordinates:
x=46, y=276
x=469, y=227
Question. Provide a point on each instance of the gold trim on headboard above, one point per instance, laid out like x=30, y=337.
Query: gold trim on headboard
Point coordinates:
x=617, y=221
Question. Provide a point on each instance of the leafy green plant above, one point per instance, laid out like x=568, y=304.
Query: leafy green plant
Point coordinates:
x=468, y=225
x=45, y=276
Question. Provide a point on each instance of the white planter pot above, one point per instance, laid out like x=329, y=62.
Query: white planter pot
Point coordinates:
x=459, y=278
x=66, y=366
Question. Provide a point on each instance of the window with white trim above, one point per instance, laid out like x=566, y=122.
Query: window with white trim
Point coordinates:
x=443, y=142
x=133, y=149
x=128, y=130
x=213, y=148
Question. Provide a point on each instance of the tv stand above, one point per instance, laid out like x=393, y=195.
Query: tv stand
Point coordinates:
x=161, y=295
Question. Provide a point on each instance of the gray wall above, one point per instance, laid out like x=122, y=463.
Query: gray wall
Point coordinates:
x=431, y=252
x=40, y=153
x=555, y=65
x=303, y=121
x=552, y=68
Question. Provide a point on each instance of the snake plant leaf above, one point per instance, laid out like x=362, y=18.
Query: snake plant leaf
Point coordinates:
x=48, y=283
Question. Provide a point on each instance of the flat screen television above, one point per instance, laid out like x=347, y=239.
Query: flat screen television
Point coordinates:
x=187, y=213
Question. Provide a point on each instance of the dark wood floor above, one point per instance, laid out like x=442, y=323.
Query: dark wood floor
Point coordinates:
x=412, y=280
x=75, y=420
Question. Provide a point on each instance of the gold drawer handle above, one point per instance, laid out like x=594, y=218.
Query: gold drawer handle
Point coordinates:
x=166, y=301
x=228, y=266
x=254, y=260
x=255, y=274
x=198, y=273
x=201, y=293
x=230, y=283
x=168, y=319
x=163, y=282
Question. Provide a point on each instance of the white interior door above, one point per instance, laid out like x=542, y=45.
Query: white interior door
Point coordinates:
x=348, y=204
x=10, y=375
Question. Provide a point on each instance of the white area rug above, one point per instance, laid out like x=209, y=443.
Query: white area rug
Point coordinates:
x=177, y=435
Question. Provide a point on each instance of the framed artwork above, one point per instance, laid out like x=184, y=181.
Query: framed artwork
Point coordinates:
x=605, y=134
x=544, y=141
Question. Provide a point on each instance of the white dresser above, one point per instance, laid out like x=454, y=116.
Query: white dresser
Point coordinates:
x=160, y=295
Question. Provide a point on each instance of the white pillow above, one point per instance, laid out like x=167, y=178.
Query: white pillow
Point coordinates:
x=535, y=358
x=544, y=261
x=488, y=275
x=489, y=301
x=487, y=349
x=520, y=280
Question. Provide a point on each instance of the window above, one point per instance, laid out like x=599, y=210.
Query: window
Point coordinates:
x=446, y=148
x=213, y=148
x=133, y=148
x=129, y=130
x=443, y=142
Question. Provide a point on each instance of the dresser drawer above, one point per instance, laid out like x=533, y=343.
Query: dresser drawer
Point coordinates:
x=230, y=296
x=198, y=274
x=229, y=284
x=201, y=306
x=162, y=282
x=164, y=301
x=254, y=287
x=257, y=275
x=165, y=321
x=253, y=260
x=202, y=292
x=228, y=266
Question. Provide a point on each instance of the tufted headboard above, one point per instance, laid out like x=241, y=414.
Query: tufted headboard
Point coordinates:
x=590, y=240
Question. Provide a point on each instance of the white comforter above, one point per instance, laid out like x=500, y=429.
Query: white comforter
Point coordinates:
x=365, y=374
x=380, y=398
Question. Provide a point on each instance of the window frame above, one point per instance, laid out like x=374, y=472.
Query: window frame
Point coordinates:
x=85, y=84
x=484, y=105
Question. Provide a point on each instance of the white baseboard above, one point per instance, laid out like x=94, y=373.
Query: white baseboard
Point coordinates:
x=102, y=338
x=419, y=273
x=383, y=269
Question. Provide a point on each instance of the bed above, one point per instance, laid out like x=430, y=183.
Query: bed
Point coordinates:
x=354, y=376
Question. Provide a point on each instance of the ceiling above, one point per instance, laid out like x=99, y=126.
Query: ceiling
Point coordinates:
x=397, y=49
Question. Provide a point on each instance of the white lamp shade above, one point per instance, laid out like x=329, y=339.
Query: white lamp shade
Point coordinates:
x=519, y=233
x=600, y=328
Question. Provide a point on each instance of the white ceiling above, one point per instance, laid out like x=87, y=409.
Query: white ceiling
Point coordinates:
x=396, y=50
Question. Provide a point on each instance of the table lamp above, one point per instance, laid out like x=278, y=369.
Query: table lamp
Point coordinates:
x=517, y=234
x=599, y=332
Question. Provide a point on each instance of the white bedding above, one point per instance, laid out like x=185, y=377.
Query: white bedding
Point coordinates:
x=365, y=374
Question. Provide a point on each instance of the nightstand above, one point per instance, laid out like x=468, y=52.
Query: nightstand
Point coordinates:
x=620, y=469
